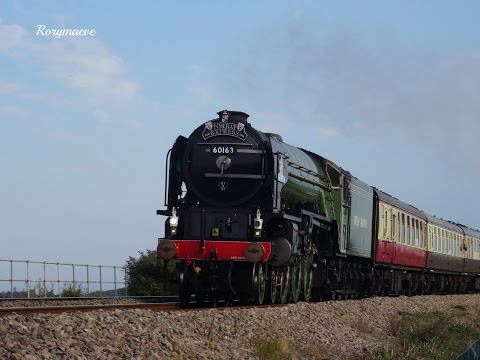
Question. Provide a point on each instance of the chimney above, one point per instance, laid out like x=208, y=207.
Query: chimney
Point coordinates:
x=233, y=116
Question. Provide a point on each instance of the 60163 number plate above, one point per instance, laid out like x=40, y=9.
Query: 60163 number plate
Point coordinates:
x=225, y=150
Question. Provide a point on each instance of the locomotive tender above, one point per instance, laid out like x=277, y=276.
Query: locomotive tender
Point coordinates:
x=254, y=218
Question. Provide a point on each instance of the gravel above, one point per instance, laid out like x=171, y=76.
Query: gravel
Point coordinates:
x=328, y=330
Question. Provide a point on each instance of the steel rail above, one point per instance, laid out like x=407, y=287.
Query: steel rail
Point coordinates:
x=159, y=307
x=28, y=310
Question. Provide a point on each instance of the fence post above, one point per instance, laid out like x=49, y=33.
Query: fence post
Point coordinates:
x=73, y=276
x=28, y=279
x=125, y=278
x=115, y=279
x=88, y=281
x=58, y=280
x=44, y=279
x=101, y=287
x=11, y=279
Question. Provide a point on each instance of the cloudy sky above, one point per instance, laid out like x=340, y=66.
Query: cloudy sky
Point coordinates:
x=388, y=90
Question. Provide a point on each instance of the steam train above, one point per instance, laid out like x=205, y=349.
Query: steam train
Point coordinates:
x=253, y=218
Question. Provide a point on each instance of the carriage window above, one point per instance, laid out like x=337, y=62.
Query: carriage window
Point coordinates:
x=442, y=245
x=417, y=235
x=402, y=230
x=455, y=244
x=439, y=239
x=447, y=243
x=421, y=235
x=413, y=232
x=444, y=242
x=408, y=230
x=383, y=221
x=447, y=238
x=386, y=224
x=399, y=229
x=392, y=229
x=430, y=238
x=440, y=234
x=452, y=246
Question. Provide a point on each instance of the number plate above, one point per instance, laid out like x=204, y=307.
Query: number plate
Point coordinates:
x=223, y=150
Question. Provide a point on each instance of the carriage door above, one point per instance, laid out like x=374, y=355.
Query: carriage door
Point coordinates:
x=345, y=212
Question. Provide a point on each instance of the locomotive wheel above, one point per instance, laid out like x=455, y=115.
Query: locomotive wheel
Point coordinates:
x=271, y=289
x=296, y=281
x=284, y=286
x=307, y=272
x=185, y=293
x=258, y=282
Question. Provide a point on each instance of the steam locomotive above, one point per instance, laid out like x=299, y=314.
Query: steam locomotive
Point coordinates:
x=253, y=218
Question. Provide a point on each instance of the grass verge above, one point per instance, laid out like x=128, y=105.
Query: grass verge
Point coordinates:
x=433, y=336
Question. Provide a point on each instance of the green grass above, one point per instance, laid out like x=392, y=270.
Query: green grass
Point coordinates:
x=69, y=290
x=272, y=348
x=277, y=347
x=432, y=336
x=462, y=308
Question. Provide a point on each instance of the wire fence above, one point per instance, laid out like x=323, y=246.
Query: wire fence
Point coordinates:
x=29, y=279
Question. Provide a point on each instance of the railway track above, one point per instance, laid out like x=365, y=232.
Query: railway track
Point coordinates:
x=57, y=309
x=165, y=304
x=154, y=306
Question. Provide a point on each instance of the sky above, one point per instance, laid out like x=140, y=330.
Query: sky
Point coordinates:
x=388, y=90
